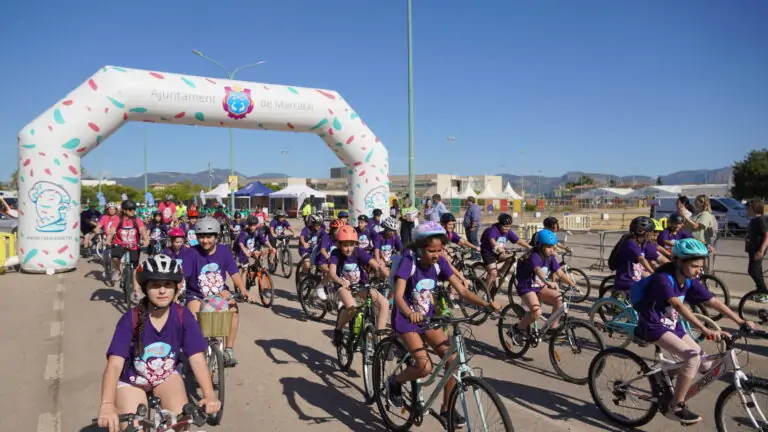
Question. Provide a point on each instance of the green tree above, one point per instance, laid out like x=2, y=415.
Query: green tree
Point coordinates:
x=612, y=183
x=275, y=187
x=750, y=176
x=14, y=182
x=184, y=191
x=585, y=180
x=659, y=182
x=112, y=193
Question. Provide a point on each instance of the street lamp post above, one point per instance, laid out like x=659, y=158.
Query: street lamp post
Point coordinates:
x=230, y=75
x=411, y=172
x=146, y=187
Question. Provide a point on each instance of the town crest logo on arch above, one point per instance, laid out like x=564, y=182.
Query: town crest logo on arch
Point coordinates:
x=237, y=102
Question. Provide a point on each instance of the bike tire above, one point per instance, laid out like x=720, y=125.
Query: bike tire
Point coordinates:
x=507, y=316
x=125, y=284
x=627, y=316
x=478, y=269
x=596, y=367
x=345, y=352
x=380, y=381
x=747, y=386
x=554, y=357
x=216, y=369
x=607, y=281
x=583, y=292
x=266, y=289
x=476, y=385
x=286, y=263
x=717, y=287
x=477, y=287
x=107, y=264
x=307, y=291
x=368, y=345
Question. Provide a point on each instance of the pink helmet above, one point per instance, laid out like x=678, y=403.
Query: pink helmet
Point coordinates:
x=176, y=232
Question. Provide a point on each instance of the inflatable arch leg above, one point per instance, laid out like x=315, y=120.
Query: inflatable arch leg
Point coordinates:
x=51, y=146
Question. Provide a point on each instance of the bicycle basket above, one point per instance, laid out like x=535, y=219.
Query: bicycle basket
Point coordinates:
x=215, y=324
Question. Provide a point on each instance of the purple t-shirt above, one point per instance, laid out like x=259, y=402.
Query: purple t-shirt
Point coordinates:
x=351, y=268
x=493, y=232
x=453, y=237
x=209, y=272
x=328, y=243
x=161, y=347
x=157, y=231
x=311, y=237
x=184, y=254
x=236, y=228
x=376, y=226
x=527, y=280
x=667, y=235
x=191, y=236
x=655, y=315
x=387, y=247
x=365, y=238
x=419, y=287
x=251, y=241
x=278, y=226
x=628, y=269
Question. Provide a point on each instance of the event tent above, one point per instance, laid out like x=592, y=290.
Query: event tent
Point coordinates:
x=220, y=191
x=467, y=192
x=488, y=193
x=294, y=191
x=606, y=192
x=510, y=193
x=662, y=191
x=254, y=189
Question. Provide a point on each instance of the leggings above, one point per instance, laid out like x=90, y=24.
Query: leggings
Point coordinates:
x=684, y=349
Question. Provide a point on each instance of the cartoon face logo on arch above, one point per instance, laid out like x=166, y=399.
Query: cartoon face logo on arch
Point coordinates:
x=237, y=102
x=52, y=204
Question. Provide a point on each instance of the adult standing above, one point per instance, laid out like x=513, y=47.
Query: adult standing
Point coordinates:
x=181, y=210
x=168, y=209
x=472, y=221
x=755, y=244
x=408, y=220
x=428, y=210
x=394, y=211
x=703, y=226
x=439, y=208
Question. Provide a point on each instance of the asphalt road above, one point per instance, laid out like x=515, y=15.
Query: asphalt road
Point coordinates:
x=60, y=326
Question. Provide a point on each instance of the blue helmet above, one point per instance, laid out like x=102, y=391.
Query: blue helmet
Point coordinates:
x=342, y=214
x=546, y=237
x=427, y=229
x=687, y=249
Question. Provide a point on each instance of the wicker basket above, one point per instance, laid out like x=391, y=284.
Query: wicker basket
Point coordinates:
x=215, y=324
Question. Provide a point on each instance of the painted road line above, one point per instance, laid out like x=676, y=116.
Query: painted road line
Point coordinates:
x=58, y=305
x=57, y=329
x=48, y=422
x=54, y=367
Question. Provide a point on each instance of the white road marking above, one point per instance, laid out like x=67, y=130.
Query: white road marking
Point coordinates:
x=48, y=422
x=54, y=367
x=58, y=305
x=57, y=329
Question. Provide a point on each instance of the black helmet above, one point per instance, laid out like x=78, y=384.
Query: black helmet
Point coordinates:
x=156, y=213
x=159, y=267
x=128, y=205
x=362, y=217
x=641, y=225
x=550, y=222
x=252, y=220
x=447, y=217
x=377, y=212
x=675, y=218
x=505, y=219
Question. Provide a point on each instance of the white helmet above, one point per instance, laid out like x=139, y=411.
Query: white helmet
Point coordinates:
x=313, y=219
x=391, y=224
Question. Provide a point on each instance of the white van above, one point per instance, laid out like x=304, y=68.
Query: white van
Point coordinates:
x=725, y=209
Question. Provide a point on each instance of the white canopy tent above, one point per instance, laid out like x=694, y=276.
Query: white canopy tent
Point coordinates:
x=220, y=191
x=488, y=193
x=467, y=192
x=656, y=192
x=451, y=192
x=297, y=192
x=609, y=193
x=510, y=193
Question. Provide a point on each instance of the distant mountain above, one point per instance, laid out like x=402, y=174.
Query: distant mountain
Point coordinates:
x=548, y=184
x=200, y=178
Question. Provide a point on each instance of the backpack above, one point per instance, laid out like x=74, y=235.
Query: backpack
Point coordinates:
x=614, y=256
x=396, y=260
x=133, y=219
x=135, y=319
x=637, y=292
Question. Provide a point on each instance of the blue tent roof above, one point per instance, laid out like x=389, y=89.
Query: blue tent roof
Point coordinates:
x=254, y=189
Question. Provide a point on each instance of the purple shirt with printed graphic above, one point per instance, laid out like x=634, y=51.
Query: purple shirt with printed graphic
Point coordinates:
x=209, y=272
x=387, y=247
x=527, y=280
x=351, y=268
x=419, y=290
x=311, y=237
x=493, y=232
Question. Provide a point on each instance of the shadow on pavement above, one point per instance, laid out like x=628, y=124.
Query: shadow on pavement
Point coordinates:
x=552, y=404
x=287, y=295
x=92, y=428
x=328, y=396
x=111, y=296
x=289, y=312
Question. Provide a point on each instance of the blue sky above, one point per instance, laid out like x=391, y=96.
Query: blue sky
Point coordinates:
x=621, y=87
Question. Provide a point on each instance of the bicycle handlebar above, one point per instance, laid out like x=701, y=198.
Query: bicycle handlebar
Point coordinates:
x=440, y=321
x=744, y=332
x=196, y=414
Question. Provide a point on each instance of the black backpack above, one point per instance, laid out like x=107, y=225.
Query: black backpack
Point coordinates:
x=614, y=256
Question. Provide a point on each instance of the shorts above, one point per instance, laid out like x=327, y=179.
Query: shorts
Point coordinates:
x=489, y=257
x=401, y=324
x=118, y=251
x=147, y=388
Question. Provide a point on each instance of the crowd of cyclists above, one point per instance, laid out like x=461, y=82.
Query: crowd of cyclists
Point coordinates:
x=195, y=255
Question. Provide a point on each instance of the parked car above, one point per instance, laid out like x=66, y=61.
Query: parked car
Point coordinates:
x=725, y=209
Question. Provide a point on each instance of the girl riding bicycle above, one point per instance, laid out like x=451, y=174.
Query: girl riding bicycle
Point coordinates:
x=534, y=286
x=416, y=278
x=660, y=310
x=634, y=253
x=143, y=356
x=249, y=244
x=308, y=239
x=346, y=267
x=326, y=245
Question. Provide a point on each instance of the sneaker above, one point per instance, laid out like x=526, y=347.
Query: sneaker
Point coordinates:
x=115, y=275
x=321, y=293
x=458, y=420
x=760, y=298
x=682, y=414
x=395, y=392
x=229, y=358
x=338, y=337
x=518, y=336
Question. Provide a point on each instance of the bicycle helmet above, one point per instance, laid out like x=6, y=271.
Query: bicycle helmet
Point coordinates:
x=128, y=205
x=336, y=224
x=551, y=222
x=314, y=219
x=169, y=197
x=252, y=220
x=657, y=226
x=156, y=213
x=427, y=229
x=688, y=249
x=159, y=267
x=641, y=225
x=176, y=232
x=391, y=223
x=362, y=217
x=193, y=213
x=377, y=212
x=346, y=233
x=343, y=214
x=675, y=218
x=447, y=217
x=505, y=219
x=546, y=237
x=207, y=225
x=112, y=204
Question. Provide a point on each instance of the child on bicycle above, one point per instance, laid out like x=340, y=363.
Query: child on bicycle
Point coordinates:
x=671, y=234
x=189, y=228
x=551, y=223
x=249, y=244
x=416, y=278
x=207, y=275
x=327, y=244
x=308, y=239
x=347, y=267
x=158, y=230
x=634, y=253
x=388, y=242
x=493, y=243
x=365, y=234
x=143, y=356
x=534, y=284
x=661, y=308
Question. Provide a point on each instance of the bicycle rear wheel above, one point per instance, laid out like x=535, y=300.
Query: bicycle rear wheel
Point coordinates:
x=266, y=289
x=311, y=304
x=617, y=321
x=718, y=289
x=216, y=369
x=388, y=362
x=586, y=345
x=477, y=287
x=751, y=308
x=286, y=262
x=508, y=317
x=492, y=414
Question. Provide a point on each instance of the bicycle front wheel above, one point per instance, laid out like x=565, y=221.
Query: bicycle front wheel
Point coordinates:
x=311, y=304
x=389, y=360
x=216, y=370
x=583, y=286
x=578, y=339
x=345, y=352
x=266, y=289
x=126, y=282
x=286, y=262
x=368, y=345
x=749, y=416
x=480, y=404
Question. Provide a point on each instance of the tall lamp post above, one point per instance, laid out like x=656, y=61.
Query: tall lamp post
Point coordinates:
x=146, y=186
x=411, y=172
x=230, y=75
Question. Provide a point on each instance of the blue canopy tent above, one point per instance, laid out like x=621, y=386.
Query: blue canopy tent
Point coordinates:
x=253, y=189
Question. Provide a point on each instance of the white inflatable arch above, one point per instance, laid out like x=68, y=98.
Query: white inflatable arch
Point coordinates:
x=52, y=146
